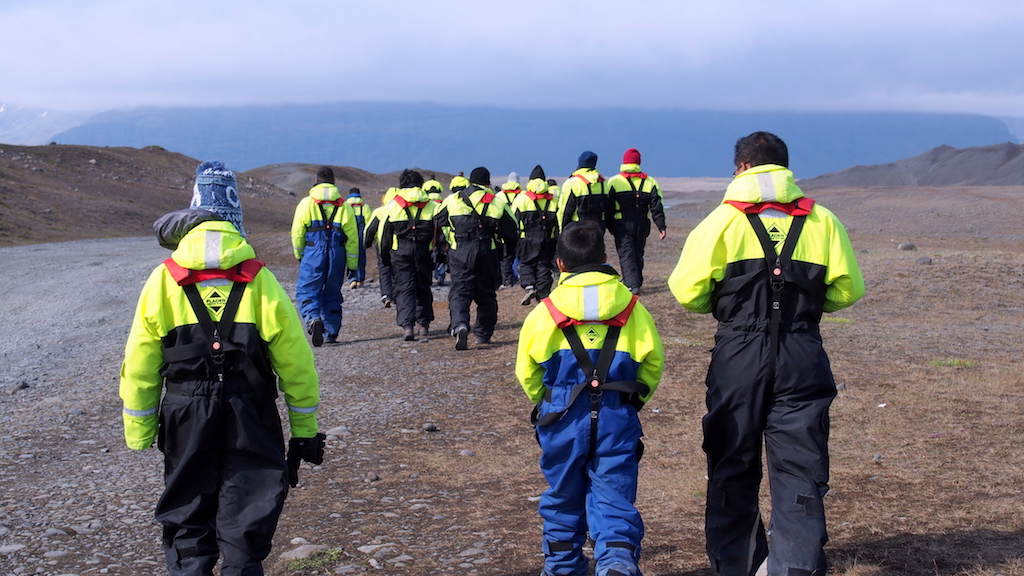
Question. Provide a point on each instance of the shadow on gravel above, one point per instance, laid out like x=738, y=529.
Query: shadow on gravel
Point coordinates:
x=934, y=554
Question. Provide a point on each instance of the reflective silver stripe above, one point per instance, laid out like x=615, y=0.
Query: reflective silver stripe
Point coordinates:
x=772, y=213
x=767, y=184
x=591, y=304
x=212, y=256
x=310, y=410
x=140, y=413
x=352, y=255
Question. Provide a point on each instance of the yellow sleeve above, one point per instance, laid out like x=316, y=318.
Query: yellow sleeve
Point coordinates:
x=843, y=276
x=647, y=349
x=528, y=369
x=141, y=382
x=290, y=355
x=300, y=222
x=351, y=231
x=701, y=264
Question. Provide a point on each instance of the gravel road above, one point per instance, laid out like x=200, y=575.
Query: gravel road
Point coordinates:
x=75, y=500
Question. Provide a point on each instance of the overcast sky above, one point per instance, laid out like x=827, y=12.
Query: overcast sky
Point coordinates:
x=794, y=55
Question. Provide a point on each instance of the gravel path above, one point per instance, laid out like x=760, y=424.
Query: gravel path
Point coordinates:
x=76, y=501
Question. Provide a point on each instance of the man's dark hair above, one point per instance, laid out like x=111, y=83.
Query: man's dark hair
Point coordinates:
x=410, y=179
x=761, y=148
x=581, y=244
x=324, y=174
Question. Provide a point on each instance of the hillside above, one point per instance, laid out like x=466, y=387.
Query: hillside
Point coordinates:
x=65, y=192
x=383, y=137
x=997, y=165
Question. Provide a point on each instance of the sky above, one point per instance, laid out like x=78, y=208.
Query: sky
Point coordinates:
x=733, y=55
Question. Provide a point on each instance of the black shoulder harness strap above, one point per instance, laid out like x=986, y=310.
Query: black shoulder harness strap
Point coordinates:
x=596, y=377
x=777, y=266
x=328, y=222
x=218, y=338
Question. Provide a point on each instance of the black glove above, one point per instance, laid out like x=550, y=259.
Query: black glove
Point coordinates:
x=309, y=449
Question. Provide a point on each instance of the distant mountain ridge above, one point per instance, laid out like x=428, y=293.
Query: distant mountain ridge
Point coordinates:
x=384, y=137
x=996, y=165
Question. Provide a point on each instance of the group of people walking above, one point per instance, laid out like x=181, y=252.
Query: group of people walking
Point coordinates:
x=215, y=337
x=485, y=238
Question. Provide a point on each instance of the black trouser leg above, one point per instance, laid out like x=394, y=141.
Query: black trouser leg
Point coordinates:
x=488, y=276
x=460, y=295
x=733, y=426
x=625, y=246
x=424, y=270
x=387, y=285
x=545, y=268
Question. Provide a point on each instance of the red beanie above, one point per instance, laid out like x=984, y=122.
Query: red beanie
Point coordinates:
x=632, y=156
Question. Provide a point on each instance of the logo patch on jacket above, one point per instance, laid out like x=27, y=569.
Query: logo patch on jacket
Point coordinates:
x=215, y=301
x=591, y=335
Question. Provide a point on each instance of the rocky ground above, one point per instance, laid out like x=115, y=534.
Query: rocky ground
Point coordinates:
x=432, y=468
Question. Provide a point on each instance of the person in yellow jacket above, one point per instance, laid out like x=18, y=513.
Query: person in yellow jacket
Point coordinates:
x=475, y=224
x=767, y=263
x=325, y=239
x=433, y=188
x=510, y=190
x=584, y=195
x=588, y=358
x=458, y=182
x=635, y=200
x=216, y=335
x=408, y=234
x=536, y=213
x=362, y=214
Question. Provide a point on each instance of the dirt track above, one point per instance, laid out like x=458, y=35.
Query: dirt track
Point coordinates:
x=937, y=344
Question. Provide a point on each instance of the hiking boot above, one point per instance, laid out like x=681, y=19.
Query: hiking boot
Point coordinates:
x=530, y=295
x=481, y=339
x=385, y=301
x=408, y=334
x=422, y=332
x=331, y=339
x=461, y=334
x=316, y=330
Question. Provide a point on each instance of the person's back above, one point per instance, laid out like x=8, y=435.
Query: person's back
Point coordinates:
x=406, y=243
x=362, y=215
x=635, y=199
x=536, y=213
x=588, y=357
x=476, y=223
x=325, y=241
x=584, y=196
x=766, y=263
x=213, y=339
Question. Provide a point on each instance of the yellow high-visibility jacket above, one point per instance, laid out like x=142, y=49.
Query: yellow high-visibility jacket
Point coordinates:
x=308, y=215
x=265, y=313
x=725, y=246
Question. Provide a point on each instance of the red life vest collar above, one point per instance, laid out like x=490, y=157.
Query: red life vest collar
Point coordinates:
x=634, y=174
x=405, y=203
x=588, y=182
x=799, y=207
x=541, y=196
x=337, y=202
x=244, y=272
x=487, y=198
x=561, y=320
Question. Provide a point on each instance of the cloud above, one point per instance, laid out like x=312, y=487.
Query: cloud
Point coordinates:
x=732, y=54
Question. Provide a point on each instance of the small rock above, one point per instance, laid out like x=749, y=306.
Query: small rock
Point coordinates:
x=429, y=427
x=863, y=251
x=375, y=563
x=841, y=386
x=303, y=552
x=299, y=541
x=908, y=246
x=371, y=548
x=19, y=387
x=467, y=453
x=402, y=558
x=346, y=568
x=4, y=530
x=339, y=431
x=11, y=548
x=877, y=458
x=371, y=477
x=472, y=552
x=55, y=554
x=924, y=260
x=51, y=532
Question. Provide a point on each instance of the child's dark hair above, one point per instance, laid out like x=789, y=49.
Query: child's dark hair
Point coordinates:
x=581, y=244
x=325, y=174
